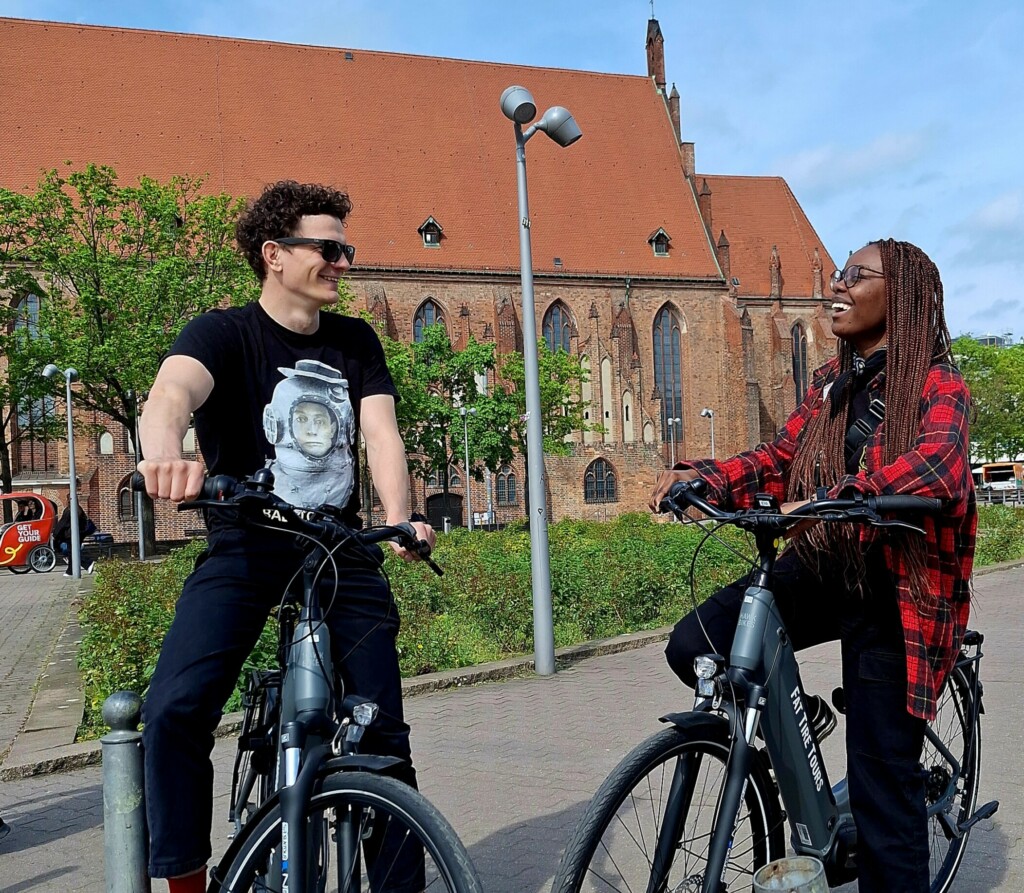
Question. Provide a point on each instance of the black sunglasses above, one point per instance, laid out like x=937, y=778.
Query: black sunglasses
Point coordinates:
x=330, y=250
x=852, y=275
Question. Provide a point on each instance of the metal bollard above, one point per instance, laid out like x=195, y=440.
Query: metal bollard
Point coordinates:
x=125, y=836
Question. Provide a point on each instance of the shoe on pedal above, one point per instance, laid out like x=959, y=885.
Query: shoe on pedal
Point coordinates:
x=820, y=716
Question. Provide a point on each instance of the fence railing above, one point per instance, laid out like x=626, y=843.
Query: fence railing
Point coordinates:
x=1014, y=496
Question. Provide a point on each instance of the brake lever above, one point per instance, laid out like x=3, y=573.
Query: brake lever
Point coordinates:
x=420, y=547
x=903, y=524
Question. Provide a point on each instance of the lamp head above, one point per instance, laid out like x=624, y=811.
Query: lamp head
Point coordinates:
x=50, y=371
x=517, y=105
x=559, y=124
x=706, y=413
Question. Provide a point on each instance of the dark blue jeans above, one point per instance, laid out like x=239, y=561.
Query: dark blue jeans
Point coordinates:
x=219, y=616
x=883, y=740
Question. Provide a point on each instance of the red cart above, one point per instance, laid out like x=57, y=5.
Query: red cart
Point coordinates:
x=25, y=545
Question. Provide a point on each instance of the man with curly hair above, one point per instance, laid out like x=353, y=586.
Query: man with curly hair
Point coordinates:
x=277, y=381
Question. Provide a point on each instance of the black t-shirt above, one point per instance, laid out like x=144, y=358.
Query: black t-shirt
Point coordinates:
x=290, y=399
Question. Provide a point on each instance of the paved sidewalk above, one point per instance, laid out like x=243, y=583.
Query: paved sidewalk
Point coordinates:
x=513, y=763
x=33, y=613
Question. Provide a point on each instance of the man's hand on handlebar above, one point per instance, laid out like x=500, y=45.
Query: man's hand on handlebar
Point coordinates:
x=424, y=533
x=176, y=479
x=665, y=481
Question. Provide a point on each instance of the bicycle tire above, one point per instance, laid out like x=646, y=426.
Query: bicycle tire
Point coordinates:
x=614, y=812
x=42, y=559
x=952, y=725
x=380, y=801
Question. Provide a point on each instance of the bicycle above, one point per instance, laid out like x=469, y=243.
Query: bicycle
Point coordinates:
x=696, y=807
x=323, y=817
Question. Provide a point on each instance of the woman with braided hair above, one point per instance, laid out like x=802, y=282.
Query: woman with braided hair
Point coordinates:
x=898, y=603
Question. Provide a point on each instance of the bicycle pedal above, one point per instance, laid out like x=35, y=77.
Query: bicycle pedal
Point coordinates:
x=820, y=716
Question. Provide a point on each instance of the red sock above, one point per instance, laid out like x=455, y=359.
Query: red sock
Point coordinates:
x=188, y=883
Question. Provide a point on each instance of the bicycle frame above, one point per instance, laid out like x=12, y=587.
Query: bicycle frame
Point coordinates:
x=765, y=678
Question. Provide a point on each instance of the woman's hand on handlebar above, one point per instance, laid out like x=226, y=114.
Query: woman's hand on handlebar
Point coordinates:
x=176, y=479
x=801, y=526
x=665, y=481
x=424, y=532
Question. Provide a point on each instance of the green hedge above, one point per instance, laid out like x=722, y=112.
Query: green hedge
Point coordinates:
x=607, y=578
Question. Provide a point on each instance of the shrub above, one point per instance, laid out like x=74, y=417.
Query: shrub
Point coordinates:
x=607, y=578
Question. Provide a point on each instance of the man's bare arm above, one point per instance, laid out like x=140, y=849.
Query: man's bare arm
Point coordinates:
x=181, y=387
x=385, y=454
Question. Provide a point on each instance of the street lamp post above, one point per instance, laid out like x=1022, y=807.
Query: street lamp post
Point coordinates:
x=139, y=496
x=75, y=546
x=710, y=415
x=519, y=107
x=466, y=413
x=672, y=436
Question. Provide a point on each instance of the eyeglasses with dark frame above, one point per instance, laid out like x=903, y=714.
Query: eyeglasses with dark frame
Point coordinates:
x=330, y=250
x=851, y=275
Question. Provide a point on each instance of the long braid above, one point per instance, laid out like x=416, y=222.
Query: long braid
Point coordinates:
x=917, y=336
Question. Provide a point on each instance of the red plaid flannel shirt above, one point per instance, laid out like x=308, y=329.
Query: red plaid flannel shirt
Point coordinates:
x=938, y=466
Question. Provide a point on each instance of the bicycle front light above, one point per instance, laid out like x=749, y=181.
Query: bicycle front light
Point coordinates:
x=364, y=714
x=706, y=665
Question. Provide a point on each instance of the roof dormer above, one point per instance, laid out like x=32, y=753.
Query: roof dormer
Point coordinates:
x=431, y=231
x=659, y=241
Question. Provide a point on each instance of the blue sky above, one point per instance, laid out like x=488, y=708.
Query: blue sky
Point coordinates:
x=887, y=117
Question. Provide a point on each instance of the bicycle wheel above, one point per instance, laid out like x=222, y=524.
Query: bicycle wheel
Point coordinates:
x=626, y=825
x=954, y=730
x=367, y=833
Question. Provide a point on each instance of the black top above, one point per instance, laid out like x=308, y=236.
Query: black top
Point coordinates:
x=286, y=399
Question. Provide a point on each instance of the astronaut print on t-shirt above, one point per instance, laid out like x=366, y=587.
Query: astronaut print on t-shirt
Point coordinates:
x=311, y=425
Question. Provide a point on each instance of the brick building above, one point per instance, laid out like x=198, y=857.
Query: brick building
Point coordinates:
x=682, y=290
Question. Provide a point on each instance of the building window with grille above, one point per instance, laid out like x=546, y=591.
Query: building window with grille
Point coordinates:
x=659, y=241
x=557, y=327
x=125, y=500
x=667, y=364
x=599, y=482
x=431, y=232
x=33, y=417
x=435, y=480
x=505, y=492
x=800, y=362
x=428, y=314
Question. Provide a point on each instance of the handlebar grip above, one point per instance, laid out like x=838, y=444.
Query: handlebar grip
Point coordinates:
x=219, y=487
x=908, y=504
x=138, y=484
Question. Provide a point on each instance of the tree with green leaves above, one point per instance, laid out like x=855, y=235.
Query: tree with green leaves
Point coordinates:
x=435, y=382
x=120, y=270
x=995, y=377
x=561, y=377
x=24, y=395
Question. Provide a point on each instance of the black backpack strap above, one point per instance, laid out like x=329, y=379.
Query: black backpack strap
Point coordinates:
x=864, y=427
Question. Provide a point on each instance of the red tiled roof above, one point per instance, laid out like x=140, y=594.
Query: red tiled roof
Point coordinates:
x=408, y=136
x=756, y=214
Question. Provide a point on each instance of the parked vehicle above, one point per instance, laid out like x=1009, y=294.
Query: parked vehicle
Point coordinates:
x=1002, y=475
x=25, y=545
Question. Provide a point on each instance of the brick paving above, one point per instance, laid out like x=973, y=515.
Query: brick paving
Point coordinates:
x=512, y=764
x=33, y=610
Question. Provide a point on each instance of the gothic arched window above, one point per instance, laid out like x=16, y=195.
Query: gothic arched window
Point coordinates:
x=799, y=362
x=599, y=482
x=429, y=313
x=667, y=364
x=557, y=327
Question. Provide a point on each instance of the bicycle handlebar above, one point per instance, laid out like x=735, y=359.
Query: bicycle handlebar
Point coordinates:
x=256, y=501
x=860, y=507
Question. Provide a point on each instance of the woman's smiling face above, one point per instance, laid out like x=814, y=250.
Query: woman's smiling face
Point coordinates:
x=859, y=310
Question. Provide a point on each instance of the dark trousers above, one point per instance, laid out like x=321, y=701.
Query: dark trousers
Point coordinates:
x=883, y=740
x=223, y=607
